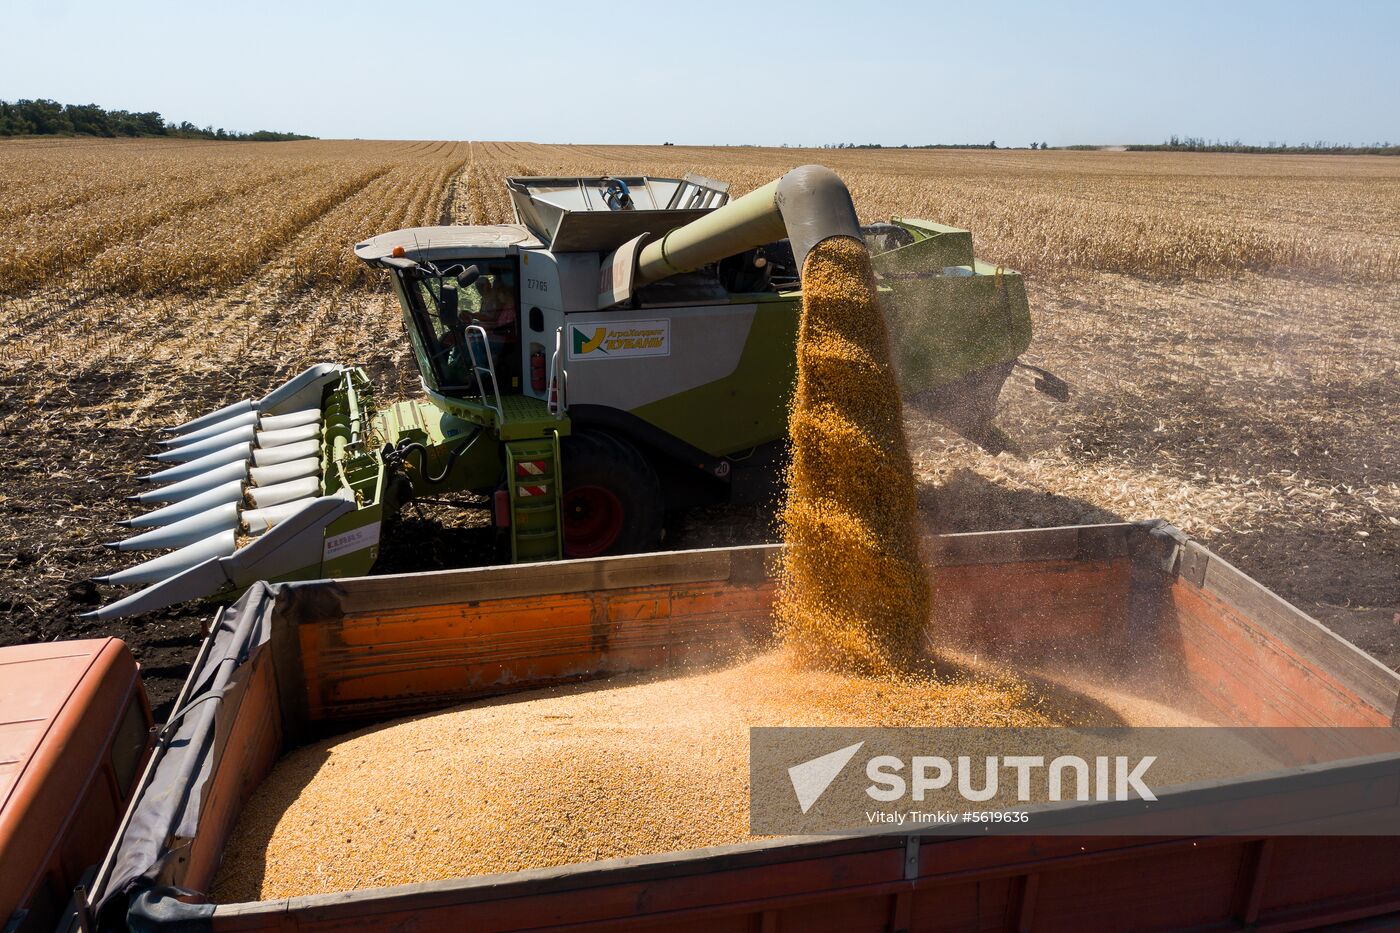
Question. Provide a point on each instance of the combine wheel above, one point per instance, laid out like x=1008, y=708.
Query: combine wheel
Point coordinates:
x=612, y=498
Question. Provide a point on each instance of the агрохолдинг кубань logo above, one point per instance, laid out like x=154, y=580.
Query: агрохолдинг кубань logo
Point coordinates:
x=619, y=339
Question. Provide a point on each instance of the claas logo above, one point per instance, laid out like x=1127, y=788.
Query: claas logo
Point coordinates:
x=586, y=344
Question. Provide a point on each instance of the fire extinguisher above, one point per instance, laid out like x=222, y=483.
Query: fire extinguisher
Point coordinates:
x=537, y=377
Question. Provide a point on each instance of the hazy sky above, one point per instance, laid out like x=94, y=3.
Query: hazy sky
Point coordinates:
x=727, y=72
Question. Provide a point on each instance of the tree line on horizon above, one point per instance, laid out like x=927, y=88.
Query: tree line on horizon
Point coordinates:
x=50, y=118
x=990, y=145
x=1173, y=144
x=1198, y=144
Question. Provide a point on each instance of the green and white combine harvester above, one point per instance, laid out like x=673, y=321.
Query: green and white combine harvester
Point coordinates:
x=627, y=347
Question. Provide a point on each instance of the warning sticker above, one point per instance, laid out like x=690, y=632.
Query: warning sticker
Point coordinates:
x=619, y=339
x=356, y=539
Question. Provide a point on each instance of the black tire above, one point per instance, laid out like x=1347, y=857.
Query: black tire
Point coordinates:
x=612, y=497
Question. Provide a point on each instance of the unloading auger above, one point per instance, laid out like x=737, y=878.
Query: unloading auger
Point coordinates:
x=625, y=348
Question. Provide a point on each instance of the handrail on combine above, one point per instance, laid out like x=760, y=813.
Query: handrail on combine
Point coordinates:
x=558, y=379
x=476, y=330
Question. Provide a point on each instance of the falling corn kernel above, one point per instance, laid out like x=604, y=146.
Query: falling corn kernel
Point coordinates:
x=853, y=594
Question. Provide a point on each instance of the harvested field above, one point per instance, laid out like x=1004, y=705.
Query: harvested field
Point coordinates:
x=1228, y=325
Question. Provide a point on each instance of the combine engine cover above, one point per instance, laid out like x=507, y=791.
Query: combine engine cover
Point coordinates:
x=278, y=488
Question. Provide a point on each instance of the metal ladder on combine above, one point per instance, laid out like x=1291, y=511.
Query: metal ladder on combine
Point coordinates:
x=536, y=495
x=477, y=334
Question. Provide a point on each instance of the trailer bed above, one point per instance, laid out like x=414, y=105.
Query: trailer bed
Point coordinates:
x=297, y=661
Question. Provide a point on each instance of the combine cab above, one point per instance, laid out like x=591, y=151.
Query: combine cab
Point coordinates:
x=626, y=347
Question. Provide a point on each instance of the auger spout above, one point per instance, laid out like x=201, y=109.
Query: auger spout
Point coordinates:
x=807, y=205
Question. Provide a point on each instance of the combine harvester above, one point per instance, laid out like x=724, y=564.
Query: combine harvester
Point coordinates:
x=625, y=348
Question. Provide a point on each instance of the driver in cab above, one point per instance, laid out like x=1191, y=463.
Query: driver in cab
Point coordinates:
x=497, y=314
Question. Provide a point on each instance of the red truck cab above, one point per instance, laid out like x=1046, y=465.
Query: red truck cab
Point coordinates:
x=75, y=730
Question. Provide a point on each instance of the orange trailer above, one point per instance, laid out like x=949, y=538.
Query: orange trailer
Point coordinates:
x=295, y=661
x=75, y=727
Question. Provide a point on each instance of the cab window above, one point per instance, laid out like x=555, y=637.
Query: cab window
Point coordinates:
x=444, y=310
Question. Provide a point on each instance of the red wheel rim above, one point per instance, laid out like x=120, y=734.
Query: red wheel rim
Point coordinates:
x=592, y=520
